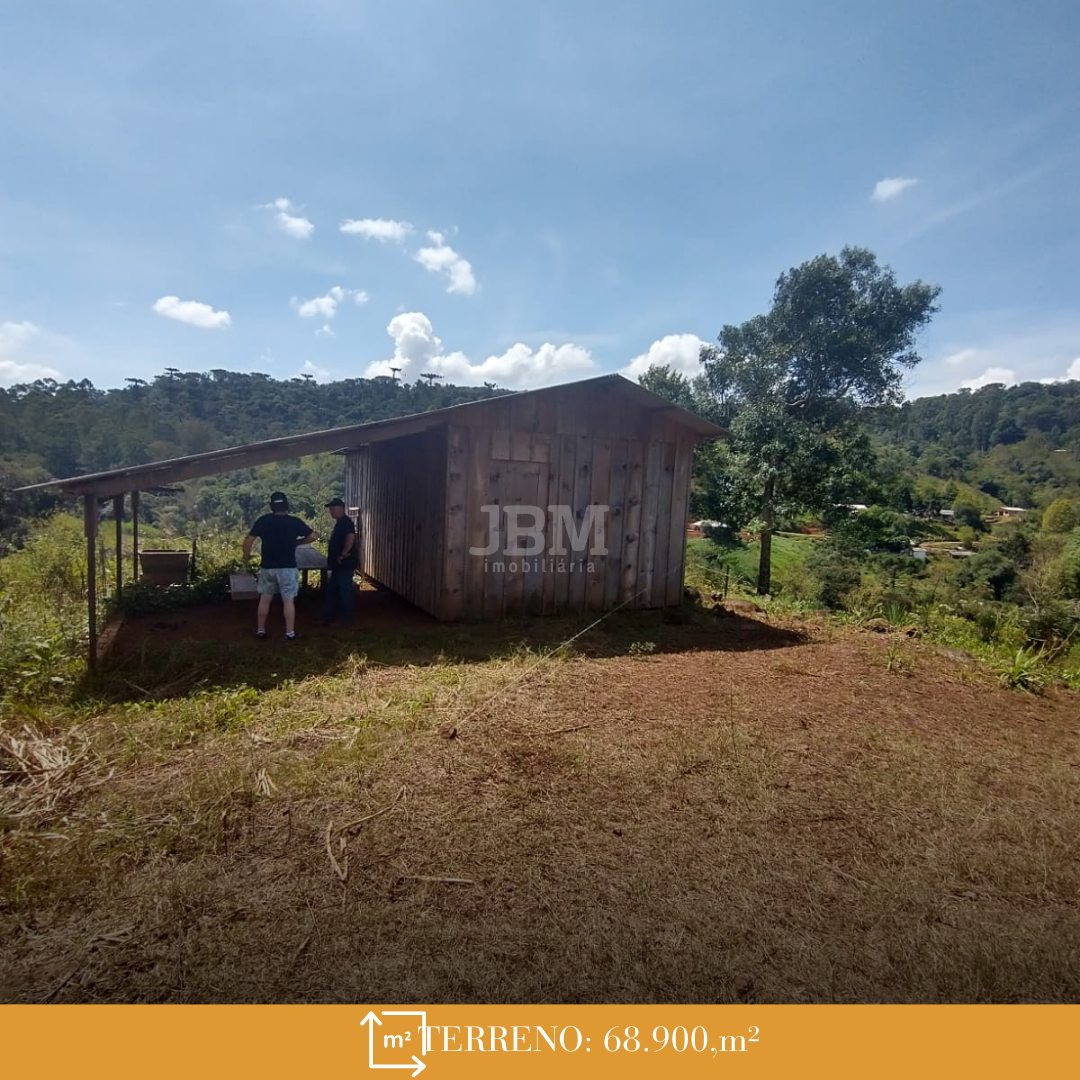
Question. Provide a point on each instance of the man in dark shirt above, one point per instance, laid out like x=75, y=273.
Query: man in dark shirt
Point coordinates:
x=280, y=534
x=341, y=558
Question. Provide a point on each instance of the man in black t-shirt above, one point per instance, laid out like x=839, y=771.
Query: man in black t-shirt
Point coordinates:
x=280, y=534
x=341, y=558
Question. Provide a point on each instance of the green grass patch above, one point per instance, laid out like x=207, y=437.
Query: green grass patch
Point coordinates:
x=709, y=561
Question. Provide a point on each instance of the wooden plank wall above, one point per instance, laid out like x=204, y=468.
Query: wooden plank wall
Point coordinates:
x=400, y=488
x=421, y=499
x=574, y=449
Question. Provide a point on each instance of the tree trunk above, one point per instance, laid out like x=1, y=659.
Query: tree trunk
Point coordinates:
x=768, y=515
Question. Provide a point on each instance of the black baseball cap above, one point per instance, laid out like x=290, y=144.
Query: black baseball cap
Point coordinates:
x=278, y=501
x=336, y=502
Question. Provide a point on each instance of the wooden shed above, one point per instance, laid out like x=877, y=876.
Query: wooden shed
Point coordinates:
x=600, y=467
x=437, y=502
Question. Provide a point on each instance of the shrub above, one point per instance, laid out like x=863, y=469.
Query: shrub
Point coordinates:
x=1051, y=625
x=796, y=581
x=140, y=599
x=43, y=618
x=1024, y=671
x=838, y=575
x=967, y=536
x=865, y=600
x=989, y=569
x=1070, y=565
x=967, y=513
x=1015, y=543
x=894, y=613
x=876, y=529
x=1060, y=517
x=43, y=625
x=998, y=624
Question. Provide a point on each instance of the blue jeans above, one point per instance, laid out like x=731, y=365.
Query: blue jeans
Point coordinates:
x=339, y=593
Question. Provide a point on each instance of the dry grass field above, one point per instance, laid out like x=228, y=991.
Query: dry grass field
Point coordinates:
x=707, y=811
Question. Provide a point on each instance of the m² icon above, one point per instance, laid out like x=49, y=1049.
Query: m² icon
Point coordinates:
x=390, y=1039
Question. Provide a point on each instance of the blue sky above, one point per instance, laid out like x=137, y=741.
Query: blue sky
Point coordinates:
x=537, y=192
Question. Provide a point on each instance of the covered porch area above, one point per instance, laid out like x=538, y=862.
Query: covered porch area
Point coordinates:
x=376, y=611
x=119, y=491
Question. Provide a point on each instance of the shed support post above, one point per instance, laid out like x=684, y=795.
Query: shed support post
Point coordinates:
x=135, y=536
x=118, y=513
x=90, y=522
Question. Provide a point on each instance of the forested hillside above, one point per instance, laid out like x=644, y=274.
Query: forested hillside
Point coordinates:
x=1018, y=445
x=50, y=429
x=70, y=428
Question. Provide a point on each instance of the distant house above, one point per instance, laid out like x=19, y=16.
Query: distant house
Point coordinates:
x=698, y=528
x=856, y=508
x=947, y=515
x=1007, y=513
x=960, y=553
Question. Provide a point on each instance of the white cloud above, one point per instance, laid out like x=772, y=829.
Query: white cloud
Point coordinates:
x=415, y=345
x=417, y=349
x=381, y=229
x=440, y=258
x=991, y=375
x=891, y=187
x=319, y=374
x=326, y=330
x=292, y=224
x=325, y=307
x=677, y=351
x=322, y=306
x=1072, y=373
x=191, y=312
x=298, y=227
x=957, y=359
x=1016, y=342
x=14, y=336
x=13, y=371
x=521, y=366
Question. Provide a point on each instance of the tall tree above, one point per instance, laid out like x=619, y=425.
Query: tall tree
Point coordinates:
x=839, y=336
x=670, y=384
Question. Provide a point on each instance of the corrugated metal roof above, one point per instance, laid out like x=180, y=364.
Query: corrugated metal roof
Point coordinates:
x=229, y=459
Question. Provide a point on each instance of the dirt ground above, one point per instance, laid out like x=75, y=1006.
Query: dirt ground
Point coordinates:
x=376, y=610
x=716, y=812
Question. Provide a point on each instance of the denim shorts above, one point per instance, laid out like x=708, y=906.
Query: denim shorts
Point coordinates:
x=283, y=580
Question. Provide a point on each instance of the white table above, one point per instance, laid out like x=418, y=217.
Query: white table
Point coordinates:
x=311, y=558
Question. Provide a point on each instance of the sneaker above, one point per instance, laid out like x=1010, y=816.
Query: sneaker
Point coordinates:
x=260, y=634
x=294, y=636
